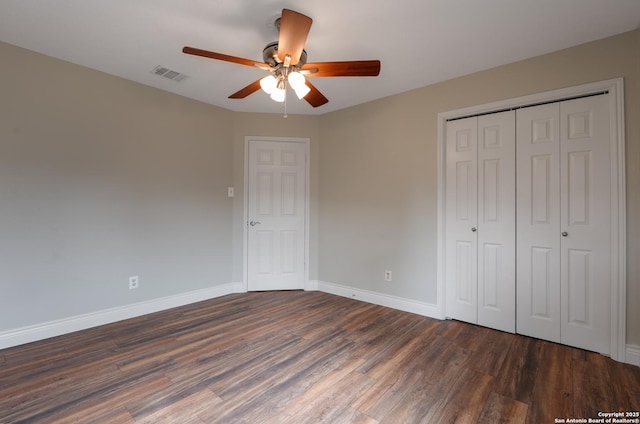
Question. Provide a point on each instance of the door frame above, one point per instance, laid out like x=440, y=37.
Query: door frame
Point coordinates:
x=615, y=89
x=245, y=218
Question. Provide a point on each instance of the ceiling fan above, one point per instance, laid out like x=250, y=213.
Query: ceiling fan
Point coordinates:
x=286, y=60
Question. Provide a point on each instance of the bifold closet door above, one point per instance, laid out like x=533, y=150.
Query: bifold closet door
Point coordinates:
x=480, y=208
x=585, y=202
x=462, y=220
x=497, y=221
x=538, y=229
x=563, y=201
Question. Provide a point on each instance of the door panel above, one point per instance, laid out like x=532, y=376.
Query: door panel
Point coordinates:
x=491, y=266
x=538, y=225
x=541, y=179
x=465, y=269
x=578, y=287
x=276, y=214
x=465, y=184
x=496, y=219
x=264, y=254
x=461, y=212
x=585, y=202
x=541, y=290
x=578, y=178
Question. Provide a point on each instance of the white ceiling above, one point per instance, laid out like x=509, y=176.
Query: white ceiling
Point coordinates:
x=419, y=42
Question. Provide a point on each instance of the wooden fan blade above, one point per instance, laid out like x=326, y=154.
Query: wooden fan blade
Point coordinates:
x=244, y=92
x=294, y=29
x=220, y=56
x=356, y=68
x=314, y=97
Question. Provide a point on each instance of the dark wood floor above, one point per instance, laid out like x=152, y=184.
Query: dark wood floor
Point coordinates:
x=305, y=357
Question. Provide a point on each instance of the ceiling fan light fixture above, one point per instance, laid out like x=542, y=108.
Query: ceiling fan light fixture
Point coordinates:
x=302, y=91
x=278, y=95
x=296, y=80
x=269, y=84
x=280, y=92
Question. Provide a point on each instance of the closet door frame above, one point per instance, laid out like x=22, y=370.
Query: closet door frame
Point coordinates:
x=615, y=89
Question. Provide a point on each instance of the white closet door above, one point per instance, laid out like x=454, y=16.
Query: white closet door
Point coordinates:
x=538, y=226
x=585, y=204
x=496, y=221
x=563, y=241
x=461, y=220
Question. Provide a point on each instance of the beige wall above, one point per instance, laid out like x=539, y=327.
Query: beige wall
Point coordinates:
x=100, y=179
x=378, y=169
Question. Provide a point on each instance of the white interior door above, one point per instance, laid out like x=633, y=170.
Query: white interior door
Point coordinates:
x=461, y=225
x=497, y=221
x=538, y=226
x=564, y=240
x=585, y=263
x=480, y=210
x=276, y=215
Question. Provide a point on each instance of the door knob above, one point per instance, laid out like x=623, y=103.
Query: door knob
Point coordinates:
x=474, y=229
x=254, y=223
x=565, y=234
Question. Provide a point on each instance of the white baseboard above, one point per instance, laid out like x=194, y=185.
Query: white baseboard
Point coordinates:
x=49, y=329
x=408, y=305
x=239, y=287
x=633, y=355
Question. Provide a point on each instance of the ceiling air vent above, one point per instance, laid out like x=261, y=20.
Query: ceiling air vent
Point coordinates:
x=168, y=73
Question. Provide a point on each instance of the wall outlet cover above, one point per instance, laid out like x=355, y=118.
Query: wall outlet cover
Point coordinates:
x=134, y=282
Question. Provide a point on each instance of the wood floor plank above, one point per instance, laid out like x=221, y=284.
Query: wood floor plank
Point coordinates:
x=269, y=391
x=106, y=406
x=329, y=399
x=435, y=362
x=410, y=384
x=517, y=376
x=465, y=398
x=489, y=357
x=503, y=410
x=414, y=405
x=304, y=357
x=119, y=415
x=593, y=385
x=311, y=398
x=626, y=390
x=349, y=416
x=412, y=344
x=553, y=394
x=184, y=411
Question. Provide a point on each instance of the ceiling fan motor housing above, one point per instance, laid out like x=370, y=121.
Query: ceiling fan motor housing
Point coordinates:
x=270, y=56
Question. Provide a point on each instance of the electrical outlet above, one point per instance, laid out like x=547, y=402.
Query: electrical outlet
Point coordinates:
x=388, y=276
x=133, y=282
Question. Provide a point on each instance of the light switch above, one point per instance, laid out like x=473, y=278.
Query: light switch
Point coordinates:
x=230, y=192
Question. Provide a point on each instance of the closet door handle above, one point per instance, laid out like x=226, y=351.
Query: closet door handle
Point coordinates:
x=474, y=229
x=565, y=234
